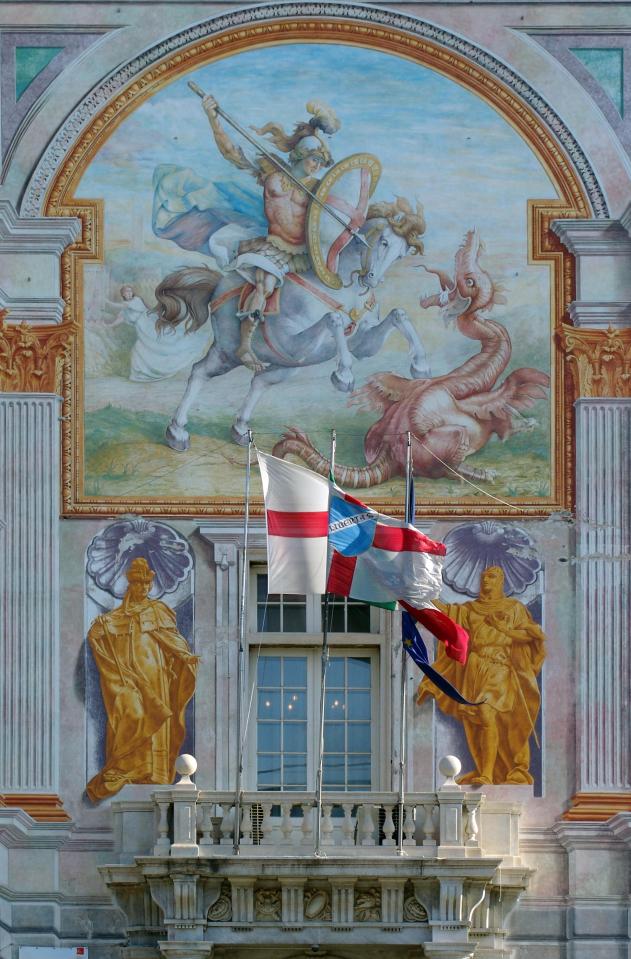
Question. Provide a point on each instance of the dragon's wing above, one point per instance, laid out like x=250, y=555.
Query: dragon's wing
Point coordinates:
x=519, y=391
x=381, y=391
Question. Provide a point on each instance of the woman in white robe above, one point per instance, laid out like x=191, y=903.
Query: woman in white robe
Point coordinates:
x=156, y=356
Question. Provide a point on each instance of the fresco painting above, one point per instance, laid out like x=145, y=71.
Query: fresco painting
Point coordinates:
x=440, y=324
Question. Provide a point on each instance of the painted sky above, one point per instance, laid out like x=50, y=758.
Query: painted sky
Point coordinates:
x=436, y=141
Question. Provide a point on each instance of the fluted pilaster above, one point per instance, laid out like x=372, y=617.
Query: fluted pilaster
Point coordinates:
x=29, y=595
x=603, y=510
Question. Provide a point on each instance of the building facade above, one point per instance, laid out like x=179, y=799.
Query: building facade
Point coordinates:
x=227, y=227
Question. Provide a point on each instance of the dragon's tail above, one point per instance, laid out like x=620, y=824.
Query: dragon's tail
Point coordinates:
x=297, y=443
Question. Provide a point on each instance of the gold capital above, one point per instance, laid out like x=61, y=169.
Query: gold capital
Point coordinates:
x=32, y=357
x=599, y=360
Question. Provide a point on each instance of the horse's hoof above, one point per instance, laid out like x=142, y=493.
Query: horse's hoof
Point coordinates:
x=180, y=443
x=241, y=439
x=420, y=372
x=344, y=386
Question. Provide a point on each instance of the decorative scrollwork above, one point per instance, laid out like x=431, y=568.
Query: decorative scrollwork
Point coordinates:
x=32, y=358
x=221, y=911
x=317, y=905
x=599, y=361
x=414, y=911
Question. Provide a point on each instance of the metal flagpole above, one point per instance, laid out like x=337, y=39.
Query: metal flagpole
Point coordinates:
x=240, y=653
x=404, y=666
x=325, y=663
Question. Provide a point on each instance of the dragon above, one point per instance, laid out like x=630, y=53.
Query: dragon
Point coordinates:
x=449, y=417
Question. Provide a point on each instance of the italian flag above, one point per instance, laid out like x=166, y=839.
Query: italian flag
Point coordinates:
x=321, y=539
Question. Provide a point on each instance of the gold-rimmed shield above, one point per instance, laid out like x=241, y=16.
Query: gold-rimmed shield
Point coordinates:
x=346, y=189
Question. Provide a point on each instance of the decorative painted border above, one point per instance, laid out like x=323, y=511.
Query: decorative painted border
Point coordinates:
x=55, y=155
x=544, y=245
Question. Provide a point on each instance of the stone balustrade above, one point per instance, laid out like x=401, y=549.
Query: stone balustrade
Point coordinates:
x=182, y=883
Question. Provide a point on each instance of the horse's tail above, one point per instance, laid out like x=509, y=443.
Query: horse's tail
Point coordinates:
x=297, y=443
x=184, y=297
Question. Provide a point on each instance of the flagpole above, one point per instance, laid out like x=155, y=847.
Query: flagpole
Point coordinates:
x=404, y=666
x=240, y=653
x=325, y=663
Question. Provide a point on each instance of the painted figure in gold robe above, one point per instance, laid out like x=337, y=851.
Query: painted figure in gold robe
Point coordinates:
x=147, y=678
x=506, y=653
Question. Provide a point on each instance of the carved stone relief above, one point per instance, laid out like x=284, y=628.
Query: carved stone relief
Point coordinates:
x=317, y=904
x=267, y=905
x=368, y=905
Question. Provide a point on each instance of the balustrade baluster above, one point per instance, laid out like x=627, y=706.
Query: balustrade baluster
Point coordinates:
x=429, y=824
x=388, y=827
x=246, y=824
x=267, y=826
x=206, y=827
x=366, y=824
x=307, y=838
x=409, y=827
x=226, y=830
x=327, y=826
x=348, y=826
x=285, y=823
x=163, y=843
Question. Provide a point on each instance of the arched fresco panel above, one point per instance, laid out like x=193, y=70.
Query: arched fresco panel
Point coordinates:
x=448, y=336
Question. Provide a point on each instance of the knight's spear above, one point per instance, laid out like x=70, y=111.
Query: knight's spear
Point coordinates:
x=279, y=166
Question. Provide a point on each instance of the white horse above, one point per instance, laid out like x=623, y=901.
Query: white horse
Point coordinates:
x=301, y=334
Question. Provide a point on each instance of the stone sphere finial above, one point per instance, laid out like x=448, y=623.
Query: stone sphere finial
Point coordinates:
x=450, y=766
x=185, y=765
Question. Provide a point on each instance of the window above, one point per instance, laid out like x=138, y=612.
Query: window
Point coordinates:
x=288, y=613
x=288, y=713
x=284, y=673
x=279, y=612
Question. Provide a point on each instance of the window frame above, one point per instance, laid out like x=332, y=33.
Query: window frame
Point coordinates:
x=379, y=711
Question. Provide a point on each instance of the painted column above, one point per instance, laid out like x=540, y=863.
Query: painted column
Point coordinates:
x=601, y=364
x=29, y=611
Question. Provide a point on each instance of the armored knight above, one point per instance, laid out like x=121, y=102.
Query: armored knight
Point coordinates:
x=283, y=249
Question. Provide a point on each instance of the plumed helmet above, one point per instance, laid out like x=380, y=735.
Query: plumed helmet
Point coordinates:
x=311, y=146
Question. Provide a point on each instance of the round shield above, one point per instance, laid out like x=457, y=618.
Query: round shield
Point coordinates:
x=343, y=196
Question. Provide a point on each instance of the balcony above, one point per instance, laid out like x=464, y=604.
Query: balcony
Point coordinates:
x=446, y=888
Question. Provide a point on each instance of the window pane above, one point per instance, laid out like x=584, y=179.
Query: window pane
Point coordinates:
x=336, y=618
x=335, y=706
x=333, y=771
x=359, y=738
x=295, y=670
x=358, y=672
x=268, y=771
x=268, y=671
x=294, y=619
x=261, y=587
x=295, y=705
x=268, y=619
x=294, y=598
x=358, y=618
x=335, y=673
x=295, y=772
x=358, y=705
x=269, y=704
x=334, y=738
x=295, y=738
x=359, y=772
x=268, y=737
